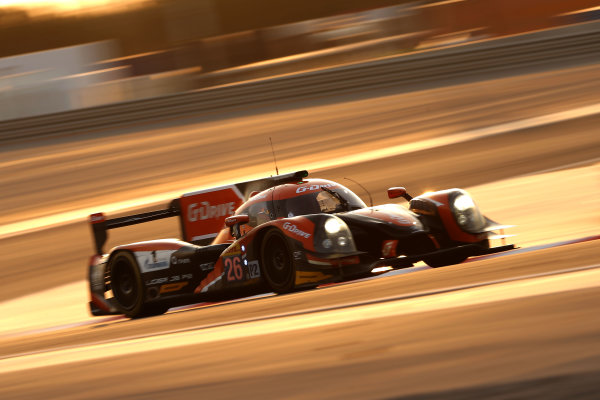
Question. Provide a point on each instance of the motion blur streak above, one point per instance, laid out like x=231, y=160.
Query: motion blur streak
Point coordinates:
x=496, y=293
x=17, y=228
x=461, y=137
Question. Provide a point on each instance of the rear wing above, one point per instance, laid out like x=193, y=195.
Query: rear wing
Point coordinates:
x=201, y=214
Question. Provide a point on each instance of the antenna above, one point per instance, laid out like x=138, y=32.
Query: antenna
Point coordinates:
x=364, y=188
x=274, y=159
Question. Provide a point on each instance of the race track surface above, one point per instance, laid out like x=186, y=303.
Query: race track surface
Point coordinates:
x=537, y=345
x=523, y=324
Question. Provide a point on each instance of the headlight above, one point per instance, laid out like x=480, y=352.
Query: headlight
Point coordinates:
x=463, y=202
x=333, y=225
x=342, y=241
x=334, y=237
x=466, y=213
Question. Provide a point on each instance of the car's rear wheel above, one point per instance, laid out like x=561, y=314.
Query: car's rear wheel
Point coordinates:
x=277, y=264
x=128, y=290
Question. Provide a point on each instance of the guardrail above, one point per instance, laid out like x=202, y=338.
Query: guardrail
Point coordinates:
x=573, y=44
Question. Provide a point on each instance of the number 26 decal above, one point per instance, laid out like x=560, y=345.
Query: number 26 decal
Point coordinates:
x=233, y=268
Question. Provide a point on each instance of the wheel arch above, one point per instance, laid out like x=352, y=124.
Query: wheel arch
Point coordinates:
x=115, y=253
x=141, y=307
x=260, y=236
x=263, y=264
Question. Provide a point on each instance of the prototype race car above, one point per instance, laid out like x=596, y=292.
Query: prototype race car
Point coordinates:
x=278, y=234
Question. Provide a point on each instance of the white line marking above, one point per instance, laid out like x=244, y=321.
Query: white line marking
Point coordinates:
x=35, y=224
x=495, y=293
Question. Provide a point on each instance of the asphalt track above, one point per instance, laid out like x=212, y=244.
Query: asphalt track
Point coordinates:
x=507, y=339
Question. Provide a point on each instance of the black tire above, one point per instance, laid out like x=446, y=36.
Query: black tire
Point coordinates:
x=128, y=289
x=439, y=261
x=150, y=310
x=277, y=263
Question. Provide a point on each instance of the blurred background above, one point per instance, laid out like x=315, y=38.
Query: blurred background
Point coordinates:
x=66, y=55
x=122, y=105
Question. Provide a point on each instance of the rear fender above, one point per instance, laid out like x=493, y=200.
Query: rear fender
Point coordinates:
x=99, y=304
x=164, y=274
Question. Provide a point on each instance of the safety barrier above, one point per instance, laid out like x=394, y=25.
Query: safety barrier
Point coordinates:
x=572, y=44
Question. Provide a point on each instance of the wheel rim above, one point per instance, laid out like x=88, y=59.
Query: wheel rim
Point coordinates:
x=278, y=262
x=124, y=286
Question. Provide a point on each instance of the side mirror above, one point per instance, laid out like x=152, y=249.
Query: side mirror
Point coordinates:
x=395, y=192
x=234, y=222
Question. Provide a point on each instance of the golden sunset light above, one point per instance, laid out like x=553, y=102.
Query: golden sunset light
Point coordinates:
x=35, y=6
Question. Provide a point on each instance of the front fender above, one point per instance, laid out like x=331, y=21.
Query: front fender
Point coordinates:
x=437, y=212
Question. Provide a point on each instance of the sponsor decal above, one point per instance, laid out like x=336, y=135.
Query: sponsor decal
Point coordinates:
x=312, y=188
x=155, y=260
x=403, y=220
x=175, y=260
x=205, y=210
x=207, y=266
x=156, y=281
x=297, y=255
x=170, y=279
x=253, y=269
x=310, y=277
x=295, y=230
x=388, y=249
x=172, y=287
x=233, y=268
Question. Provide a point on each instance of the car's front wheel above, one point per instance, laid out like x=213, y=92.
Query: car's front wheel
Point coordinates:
x=277, y=264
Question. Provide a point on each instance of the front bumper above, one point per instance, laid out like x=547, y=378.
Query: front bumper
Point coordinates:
x=468, y=250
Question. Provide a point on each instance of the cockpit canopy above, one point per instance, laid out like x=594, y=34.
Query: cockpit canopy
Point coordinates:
x=328, y=198
x=311, y=196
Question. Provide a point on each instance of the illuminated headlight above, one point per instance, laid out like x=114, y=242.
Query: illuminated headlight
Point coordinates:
x=467, y=214
x=342, y=241
x=333, y=225
x=334, y=237
x=463, y=202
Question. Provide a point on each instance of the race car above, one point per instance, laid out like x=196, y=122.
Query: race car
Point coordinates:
x=279, y=234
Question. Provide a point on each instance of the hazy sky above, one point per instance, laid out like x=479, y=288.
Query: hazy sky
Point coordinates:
x=35, y=6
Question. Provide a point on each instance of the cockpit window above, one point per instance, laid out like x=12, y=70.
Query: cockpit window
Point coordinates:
x=259, y=213
x=323, y=200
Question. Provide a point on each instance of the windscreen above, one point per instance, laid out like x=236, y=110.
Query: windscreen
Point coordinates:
x=326, y=200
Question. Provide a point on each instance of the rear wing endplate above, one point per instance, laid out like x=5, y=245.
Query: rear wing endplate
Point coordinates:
x=100, y=225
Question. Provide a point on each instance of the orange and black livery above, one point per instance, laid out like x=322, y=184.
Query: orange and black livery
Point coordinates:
x=279, y=234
